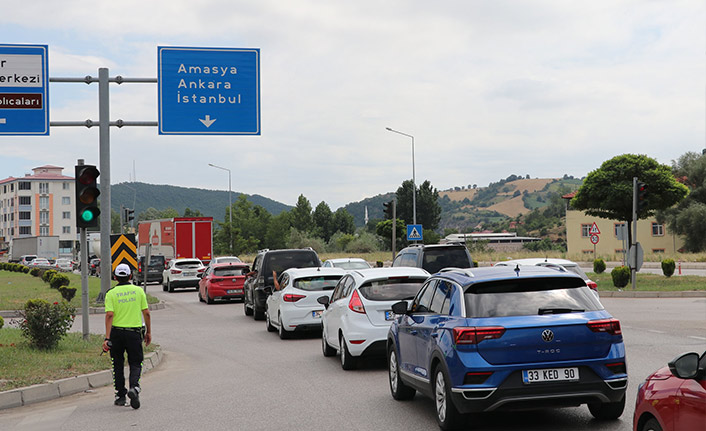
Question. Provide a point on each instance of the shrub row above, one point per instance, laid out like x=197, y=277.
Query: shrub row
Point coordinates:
x=13, y=267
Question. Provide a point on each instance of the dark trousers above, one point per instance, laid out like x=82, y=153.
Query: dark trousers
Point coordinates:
x=129, y=341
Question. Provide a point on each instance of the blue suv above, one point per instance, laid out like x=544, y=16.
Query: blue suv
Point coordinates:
x=504, y=338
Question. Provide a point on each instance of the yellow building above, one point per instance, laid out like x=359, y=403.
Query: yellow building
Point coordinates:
x=583, y=230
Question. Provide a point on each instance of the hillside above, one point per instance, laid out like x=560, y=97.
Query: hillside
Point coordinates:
x=211, y=203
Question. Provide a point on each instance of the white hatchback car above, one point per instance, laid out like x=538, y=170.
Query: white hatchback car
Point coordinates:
x=359, y=311
x=347, y=263
x=294, y=307
x=182, y=273
x=553, y=263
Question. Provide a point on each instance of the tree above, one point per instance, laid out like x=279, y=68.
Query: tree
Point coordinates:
x=342, y=222
x=687, y=218
x=188, y=212
x=301, y=215
x=607, y=192
x=428, y=208
x=384, y=230
x=323, y=221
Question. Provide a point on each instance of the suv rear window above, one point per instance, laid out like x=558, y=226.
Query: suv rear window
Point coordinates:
x=317, y=283
x=392, y=289
x=282, y=261
x=437, y=259
x=529, y=296
x=229, y=272
x=187, y=264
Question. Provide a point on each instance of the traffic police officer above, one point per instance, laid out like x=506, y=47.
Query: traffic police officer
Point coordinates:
x=125, y=308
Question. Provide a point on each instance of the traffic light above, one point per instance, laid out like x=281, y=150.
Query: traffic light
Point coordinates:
x=388, y=210
x=129, y=215
x=641, y=197
x=87, y=192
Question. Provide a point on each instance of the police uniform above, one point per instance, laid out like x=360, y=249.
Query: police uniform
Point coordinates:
x=125, y=307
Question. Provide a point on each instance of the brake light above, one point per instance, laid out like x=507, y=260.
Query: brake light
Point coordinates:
x=476, y=378
x=355, y=304
x=592, y=284
x=290, y=297
x=611, y=326
x=175, y=271
x=617, y=367
x=202, y=269
x=476, y=335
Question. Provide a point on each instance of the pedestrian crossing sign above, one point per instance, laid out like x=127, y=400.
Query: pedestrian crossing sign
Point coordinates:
x=414, y=232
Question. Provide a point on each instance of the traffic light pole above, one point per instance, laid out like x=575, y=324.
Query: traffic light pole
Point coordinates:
x=633, y=264
x=104, y=124
x=83, y=244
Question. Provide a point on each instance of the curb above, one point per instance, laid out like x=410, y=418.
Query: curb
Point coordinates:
x=69, y=386
x=652, y=294
x=91, y=310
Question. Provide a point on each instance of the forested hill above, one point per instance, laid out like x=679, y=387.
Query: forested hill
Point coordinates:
x=211, y=203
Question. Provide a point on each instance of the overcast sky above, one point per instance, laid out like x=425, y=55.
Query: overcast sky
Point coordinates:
x=487, y=89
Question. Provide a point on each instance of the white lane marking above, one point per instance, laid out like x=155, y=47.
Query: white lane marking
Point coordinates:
x=656, y=331
x=696, y=338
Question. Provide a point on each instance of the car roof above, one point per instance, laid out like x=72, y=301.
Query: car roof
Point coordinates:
x=309, y=272
x=468, y=276
x=346, y=259
x=535, y=261
x=380, y=273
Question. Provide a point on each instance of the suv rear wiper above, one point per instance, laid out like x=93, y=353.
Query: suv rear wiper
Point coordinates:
x=559, y=310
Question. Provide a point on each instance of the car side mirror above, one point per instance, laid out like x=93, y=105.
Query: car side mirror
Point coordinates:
x=324, y=300
x=685, y=366
x=268, y=290
x=400, y=307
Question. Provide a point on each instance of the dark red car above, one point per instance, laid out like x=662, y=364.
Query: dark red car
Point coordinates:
x=673, y=398
x=223, y=281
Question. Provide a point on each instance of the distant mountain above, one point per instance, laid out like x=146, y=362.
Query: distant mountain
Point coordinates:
x=211, y=203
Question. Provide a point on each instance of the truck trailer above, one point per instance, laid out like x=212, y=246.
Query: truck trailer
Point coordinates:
x=41, y=246
x=177, y=237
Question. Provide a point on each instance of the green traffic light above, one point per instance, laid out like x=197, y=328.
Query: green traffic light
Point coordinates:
x=87, y=216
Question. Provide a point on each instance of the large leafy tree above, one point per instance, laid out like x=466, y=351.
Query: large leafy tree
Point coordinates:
x=607, y=192
x=323, y=220
x=688, y=218
x=428, y=208
x=301, y=215
x=342, y=221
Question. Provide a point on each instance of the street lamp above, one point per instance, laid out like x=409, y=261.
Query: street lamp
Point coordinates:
x=230, y=205
x=414, y=183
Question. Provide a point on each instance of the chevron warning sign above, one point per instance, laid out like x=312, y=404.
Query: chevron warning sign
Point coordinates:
x=123, y=249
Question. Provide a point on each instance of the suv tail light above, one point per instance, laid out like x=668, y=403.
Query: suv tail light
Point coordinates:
x=290, y=297
x=471, y=335
x=593, y=285
x=611, y=326
x=617, y=367
x=202, y=269
x=175, y=271
x=355, y=304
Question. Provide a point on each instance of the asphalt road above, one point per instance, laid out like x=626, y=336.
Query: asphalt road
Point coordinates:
x=224, y=371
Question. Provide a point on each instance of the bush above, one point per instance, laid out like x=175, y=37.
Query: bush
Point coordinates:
x=364, y=243
x=475, y=264
x=599, y=266
x=35, y=272
x=67, y=292
x=46, y=277
x=2, y=322
x=44, y=324
x=59, y=280
x=620, y=276
x=668, y=267
x=25, y=269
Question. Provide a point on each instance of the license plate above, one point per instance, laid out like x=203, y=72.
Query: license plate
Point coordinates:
x=233, y=291
x=389, y=315
x=316, y=314
x=189, y=273
x=550, y=375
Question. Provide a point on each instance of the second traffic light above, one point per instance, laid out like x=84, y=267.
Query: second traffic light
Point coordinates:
x=129, y=215
x=87, y=192
x=641, y=196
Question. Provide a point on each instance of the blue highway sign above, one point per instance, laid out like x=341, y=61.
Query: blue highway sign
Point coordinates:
x=209, y=91
x=414, y=232
x=24, y=90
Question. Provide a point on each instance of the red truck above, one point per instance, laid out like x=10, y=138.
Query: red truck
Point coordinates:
x=177, y=237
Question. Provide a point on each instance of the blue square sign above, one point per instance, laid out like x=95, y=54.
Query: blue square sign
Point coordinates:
x=24, y=90
x=209, y=91
x=414, y=232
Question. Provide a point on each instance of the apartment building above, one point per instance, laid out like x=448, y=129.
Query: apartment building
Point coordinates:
x=39, y=204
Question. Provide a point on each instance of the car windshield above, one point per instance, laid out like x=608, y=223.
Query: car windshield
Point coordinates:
x=437, y=259
x=187, y=264
x=529, y=296
x=391, y=289
x=327, y=282
x=352, y=265
x=229, y=272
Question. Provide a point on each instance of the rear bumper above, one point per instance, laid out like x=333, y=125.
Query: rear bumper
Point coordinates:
x=222, y=293
x=189, y=282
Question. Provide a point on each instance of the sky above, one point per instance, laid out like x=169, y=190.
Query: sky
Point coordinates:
x=487, y=88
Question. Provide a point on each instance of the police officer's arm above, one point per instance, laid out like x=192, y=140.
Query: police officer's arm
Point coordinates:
x=108, y=325
x=148, y=326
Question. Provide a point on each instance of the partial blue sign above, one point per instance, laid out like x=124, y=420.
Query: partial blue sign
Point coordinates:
x=24, y=90
x=414, y=232
x=209, y=91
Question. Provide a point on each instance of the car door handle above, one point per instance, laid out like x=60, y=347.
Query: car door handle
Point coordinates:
x=413, y=332
x=435, y=334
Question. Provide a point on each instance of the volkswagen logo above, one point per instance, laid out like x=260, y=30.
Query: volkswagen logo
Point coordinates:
x=547, y=335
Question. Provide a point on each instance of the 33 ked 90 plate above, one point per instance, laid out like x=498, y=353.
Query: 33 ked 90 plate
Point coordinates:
x=550, y=375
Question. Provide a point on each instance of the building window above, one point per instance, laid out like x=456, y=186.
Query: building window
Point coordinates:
x=586, y=230
x=43, y=188
x=66, y=200
x=25, y=230
x=44, y=202
x=25, y=200
x=44, y=217
x=23, y=185
x=65, y=186
x=25, y=215
x=657, y=229
x=43, y=230
x=657, y=250
x=66, y=229
x=66, y=215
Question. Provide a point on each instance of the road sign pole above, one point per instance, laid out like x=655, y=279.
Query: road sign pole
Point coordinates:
x=394, y=228
x=633, y=270
x=104, y=151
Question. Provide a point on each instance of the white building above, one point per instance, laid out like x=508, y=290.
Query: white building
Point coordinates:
x=39, y=204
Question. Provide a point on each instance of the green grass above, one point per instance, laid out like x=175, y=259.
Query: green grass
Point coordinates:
x=22, y=365
x=16, y=288
x=652, y=282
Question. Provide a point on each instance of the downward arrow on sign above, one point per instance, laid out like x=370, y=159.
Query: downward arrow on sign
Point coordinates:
x=207, y=121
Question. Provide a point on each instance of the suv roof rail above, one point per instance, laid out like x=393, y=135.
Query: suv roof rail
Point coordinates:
x=263, y=250
x=464, y=271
